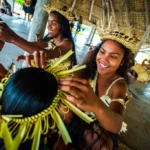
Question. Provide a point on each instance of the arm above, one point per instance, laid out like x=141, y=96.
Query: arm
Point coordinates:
x=111, y=117
x=85, y=99
x=6, y=34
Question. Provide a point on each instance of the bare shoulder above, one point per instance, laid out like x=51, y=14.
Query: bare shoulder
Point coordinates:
x=67, y=42
x=119, y=89
x=65, y=46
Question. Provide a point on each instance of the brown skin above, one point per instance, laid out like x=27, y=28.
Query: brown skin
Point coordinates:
x=37, y=48
x=3, y=71
x=2, y=43
x=84, y=98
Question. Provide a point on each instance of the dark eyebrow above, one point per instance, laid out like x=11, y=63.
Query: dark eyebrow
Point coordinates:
x=111, y=53
x=53, y=21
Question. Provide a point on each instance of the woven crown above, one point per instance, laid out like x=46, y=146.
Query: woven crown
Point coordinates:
x=55, y=7
x=125, y=37
x=131, y=42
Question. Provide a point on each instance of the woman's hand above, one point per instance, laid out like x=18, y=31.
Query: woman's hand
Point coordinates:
x=38, y=56
x=6, y=34
x=81, y=93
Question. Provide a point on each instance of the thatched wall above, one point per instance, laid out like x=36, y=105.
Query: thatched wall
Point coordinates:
x=137, y=14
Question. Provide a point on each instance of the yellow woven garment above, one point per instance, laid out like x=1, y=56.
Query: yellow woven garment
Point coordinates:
x=143, y=74
x=15, y=129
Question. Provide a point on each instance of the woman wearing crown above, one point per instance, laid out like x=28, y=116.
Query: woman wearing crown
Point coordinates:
x=38, y=116
x=61, y=40
x=106, y=76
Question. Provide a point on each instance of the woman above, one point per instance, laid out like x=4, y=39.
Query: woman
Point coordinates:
x=59, y=32
x=26, y=7
x=107, y=68
x=6, y=8
x=29, y=101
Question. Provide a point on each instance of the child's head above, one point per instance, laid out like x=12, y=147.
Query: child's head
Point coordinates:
x=28, y=92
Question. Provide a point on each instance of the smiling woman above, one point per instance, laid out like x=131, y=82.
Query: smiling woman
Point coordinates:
x=59, y=33
x=103, y=91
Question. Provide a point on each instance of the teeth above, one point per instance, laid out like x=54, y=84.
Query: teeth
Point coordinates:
x=103, y=66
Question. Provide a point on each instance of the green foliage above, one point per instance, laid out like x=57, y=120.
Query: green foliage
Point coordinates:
x=19, y=2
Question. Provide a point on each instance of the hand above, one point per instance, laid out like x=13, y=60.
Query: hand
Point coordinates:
x=6, y=34
x=38, y=56
x=81, y=93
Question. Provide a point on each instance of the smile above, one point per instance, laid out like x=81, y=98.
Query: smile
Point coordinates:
x=102, y=66
x=50, y=31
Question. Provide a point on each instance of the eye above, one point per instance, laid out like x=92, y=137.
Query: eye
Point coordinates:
x=55, y=22
x=113, y=57
x=52, y=23
x=101, y=51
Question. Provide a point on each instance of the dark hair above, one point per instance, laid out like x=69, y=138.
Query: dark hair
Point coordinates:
x=31, y=90
x=90, y=61
x=66, y=32
x=77, y=128
x=28, y=92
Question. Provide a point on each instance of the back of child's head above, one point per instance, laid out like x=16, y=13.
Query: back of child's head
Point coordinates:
x=28, y=92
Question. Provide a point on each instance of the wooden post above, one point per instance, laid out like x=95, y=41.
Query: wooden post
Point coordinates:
x=103, y=10
x=108, y=11
x=112, y=8
x=39, y=21
x=120, y=11
x=91, y=9
x=91, y=34
x=146, y=13
x=127, y=13
x=145, y=37
x=74, y=2
x=11, y=2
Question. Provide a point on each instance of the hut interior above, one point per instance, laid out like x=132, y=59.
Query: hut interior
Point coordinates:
x=125, y=14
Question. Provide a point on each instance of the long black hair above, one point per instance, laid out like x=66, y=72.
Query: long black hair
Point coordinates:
x=28, y=92
x=29, y=88
x=66, y=32
x=90, y=61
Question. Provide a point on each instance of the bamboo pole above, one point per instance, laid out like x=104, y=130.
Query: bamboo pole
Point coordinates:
x=145, y=37
x=108, y=10
x=39, y=21
x=111, y=5
x=73, y=5
x=127, y=13
x=146, y=13
x=103, y=10
x=91, y=9
x=120, y=11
